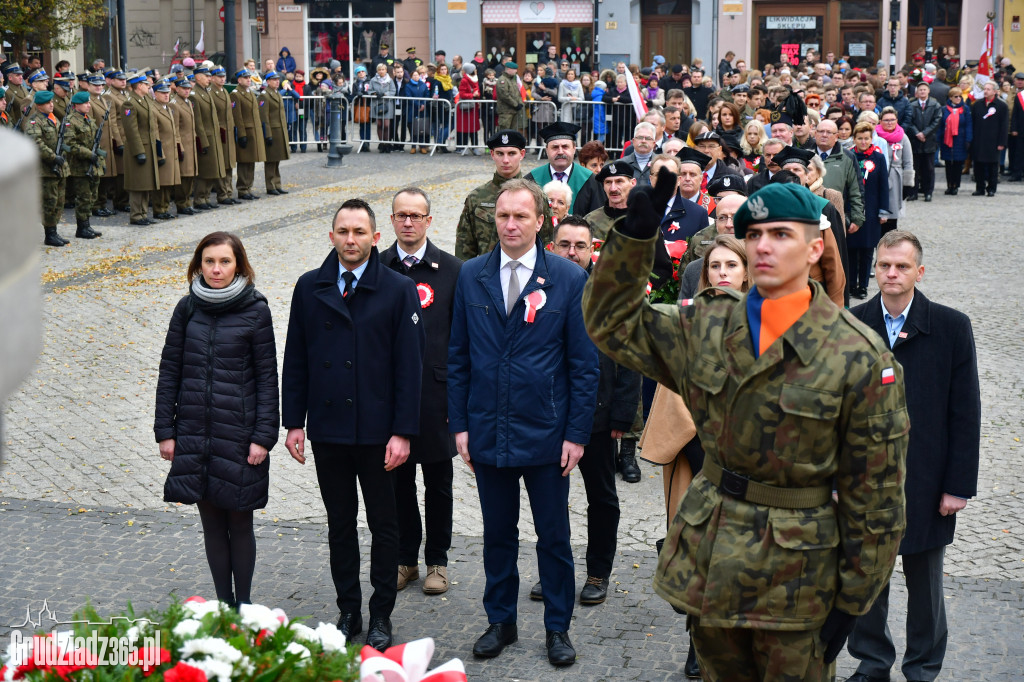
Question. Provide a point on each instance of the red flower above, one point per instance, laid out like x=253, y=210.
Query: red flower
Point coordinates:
x=195, y=598
x=262, y=635
x=144, y=656
x=183, y=672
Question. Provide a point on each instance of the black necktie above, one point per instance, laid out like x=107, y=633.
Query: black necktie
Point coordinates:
x=349, y=278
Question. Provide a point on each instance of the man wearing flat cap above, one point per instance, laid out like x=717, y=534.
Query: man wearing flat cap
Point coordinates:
x=476, y=233
x=510, y=108
x=560, y=143
x=792, y=398
x=43, y=128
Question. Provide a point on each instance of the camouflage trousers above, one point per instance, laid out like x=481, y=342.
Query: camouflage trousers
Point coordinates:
x=53, y=200
x=83, y=190
x=756, y=655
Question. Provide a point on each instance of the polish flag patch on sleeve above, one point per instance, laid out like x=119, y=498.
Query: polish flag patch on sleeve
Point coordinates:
x=888, y=376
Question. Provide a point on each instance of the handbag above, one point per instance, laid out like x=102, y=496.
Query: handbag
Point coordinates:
x=361, y=112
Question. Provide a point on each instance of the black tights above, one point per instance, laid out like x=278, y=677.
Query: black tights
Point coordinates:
x=230, y=549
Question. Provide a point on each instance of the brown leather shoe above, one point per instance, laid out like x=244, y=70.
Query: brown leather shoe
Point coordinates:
x=436, y=581
x=407, y=574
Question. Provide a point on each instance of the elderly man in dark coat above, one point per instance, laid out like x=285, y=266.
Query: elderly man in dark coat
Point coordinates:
x=435, y=273
x=991, y=122
x=935, y=346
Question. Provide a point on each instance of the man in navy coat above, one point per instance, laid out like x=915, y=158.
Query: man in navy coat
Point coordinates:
x=935, y=345
x=353, y=365
x=522, y=385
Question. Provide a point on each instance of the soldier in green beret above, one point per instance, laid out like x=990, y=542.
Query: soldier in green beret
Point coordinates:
x=792, y=397
x=85, y=167
x=43, y=127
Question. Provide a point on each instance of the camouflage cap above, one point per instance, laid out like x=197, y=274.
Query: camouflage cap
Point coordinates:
x=784, y=202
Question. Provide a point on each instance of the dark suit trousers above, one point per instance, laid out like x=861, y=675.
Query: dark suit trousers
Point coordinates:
x=598, y=469
x=871, y=640
x=924, y=172
x=986, y=176
x=437, y=511
x=338, y=467
x=499, y=502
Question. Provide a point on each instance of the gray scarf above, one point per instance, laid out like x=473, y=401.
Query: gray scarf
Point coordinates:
x=218, y=300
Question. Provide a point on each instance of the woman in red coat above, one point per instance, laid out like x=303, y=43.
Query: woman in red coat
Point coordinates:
x=467, y=113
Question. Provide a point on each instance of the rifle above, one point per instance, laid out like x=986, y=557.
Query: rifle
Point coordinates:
x=96, y=142
x=60, y=147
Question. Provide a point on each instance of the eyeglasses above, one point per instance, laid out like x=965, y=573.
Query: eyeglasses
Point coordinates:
x=414, y=218
x=643, y=138
x=723, y=219
x=579, y=246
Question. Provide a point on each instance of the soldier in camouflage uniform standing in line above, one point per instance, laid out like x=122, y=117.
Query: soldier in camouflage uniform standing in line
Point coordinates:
x=82, y=186
x=44, y=129
x=510, y=100
x=791, y=396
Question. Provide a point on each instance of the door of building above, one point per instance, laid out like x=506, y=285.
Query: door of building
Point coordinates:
x=670, y=39
x=943, y=16
x=531, y=43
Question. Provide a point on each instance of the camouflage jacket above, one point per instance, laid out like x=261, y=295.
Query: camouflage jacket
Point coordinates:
x=44, y=130
x=823, y=406
x=698, y=244
x=476, y=232
x=78, y=138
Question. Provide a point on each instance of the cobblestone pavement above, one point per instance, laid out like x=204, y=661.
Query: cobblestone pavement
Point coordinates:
x=79, y=433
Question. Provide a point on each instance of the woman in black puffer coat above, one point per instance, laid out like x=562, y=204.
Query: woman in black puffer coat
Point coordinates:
x=217, y=412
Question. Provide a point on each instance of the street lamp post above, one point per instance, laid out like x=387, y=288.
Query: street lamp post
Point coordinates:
x=336, y=151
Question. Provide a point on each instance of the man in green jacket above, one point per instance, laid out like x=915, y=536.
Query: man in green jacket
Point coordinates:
x=43, y=128
x=85, y=166
x=843, y=174
x=511, y=113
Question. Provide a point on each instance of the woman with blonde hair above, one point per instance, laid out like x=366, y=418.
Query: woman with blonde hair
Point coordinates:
x=752, y=144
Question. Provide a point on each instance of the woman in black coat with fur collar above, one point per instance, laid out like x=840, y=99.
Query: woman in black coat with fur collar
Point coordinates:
x=217, y=412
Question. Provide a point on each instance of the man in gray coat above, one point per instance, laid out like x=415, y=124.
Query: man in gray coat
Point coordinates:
x=925, y=117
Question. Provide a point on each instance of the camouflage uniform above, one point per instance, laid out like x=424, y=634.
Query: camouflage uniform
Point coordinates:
x=510, y=108
x=813, y=412
x=78, y=139
x=44, y=131
x=476, y=232
x=697, y=245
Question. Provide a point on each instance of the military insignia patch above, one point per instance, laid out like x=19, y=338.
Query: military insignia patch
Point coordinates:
x=127, y=112
x=776, y=116
x=727, y=181
x=611, y=169
x=415, y=318
x=262, y=102
x=504, y=139
x=233, y=103
x=888, y=376
x=757, y=208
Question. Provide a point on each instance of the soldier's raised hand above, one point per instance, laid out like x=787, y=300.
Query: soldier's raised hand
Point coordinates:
x=646, y=206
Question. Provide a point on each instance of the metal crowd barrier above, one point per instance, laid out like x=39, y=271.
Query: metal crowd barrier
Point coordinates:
x=312, y=126
x=400, y=123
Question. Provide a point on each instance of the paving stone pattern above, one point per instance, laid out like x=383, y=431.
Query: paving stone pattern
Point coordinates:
x=78, y=436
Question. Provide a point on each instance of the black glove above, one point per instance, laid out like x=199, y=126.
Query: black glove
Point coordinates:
x=270, y=142
x=140, y=159
x=181, y=155
x=161, y=162
x=646, y=206
x=102, y=153
x=519, y=107
x=58, y=160
x=243, y=142
x=838, y=626
x=204, y=150
x=119, y=150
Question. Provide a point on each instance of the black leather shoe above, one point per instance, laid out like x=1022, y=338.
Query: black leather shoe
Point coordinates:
x=124, y=209
x=248, y=197
x=164, y=216
x=271, y=192
x=861, y=677
x=691, y=668
x=350, y=624
x=187, y=211
x=282, y=191
x=495, y=639
x=202, y=207
x=536, y=592
x=991, y=193
x=954, y=191
x=912, y=197
x=379, y=634
x=977, y=193
x=628, y=467
x=144, y=222
x=102, y=213
x=594, y=592
x=560, y=651
x=927, y=197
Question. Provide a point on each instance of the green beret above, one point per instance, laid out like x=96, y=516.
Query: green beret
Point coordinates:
x=511, y=65
x=80, y=97
x=42, y=96
x=784, y=202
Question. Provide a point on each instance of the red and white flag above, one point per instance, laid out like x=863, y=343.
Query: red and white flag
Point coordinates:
x=986, y=66
x=200, y=46
x=639, y=103
x=177, y=45
x=888, y=376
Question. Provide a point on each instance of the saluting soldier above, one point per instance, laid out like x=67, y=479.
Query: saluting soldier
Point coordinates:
x=44, y=128
x=211, y=154
x=218, y=77
x=792, y=397
x=168, y=144
x=18, y=95
x=117, y=93
x=138, y=119
x=61, y=97
x=100, y=105
x=82, y=186
x=276, y=127
x=249, y=133
x=189, y=164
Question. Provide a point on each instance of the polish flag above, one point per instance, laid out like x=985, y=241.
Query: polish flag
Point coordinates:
x=888, y=376
x=986, y=67
x=200, y=46
x=639, y=103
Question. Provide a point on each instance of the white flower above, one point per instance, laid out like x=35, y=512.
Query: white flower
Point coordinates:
x=296, y=648
x=281, y=616
x=132, y=635
x=199, y=609
x=217, y=648
x=257, y=617
x=304, y=632
x=331, y=638
x=187, y=628
x=214, y=669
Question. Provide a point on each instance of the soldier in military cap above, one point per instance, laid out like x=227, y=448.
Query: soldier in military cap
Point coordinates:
x=275, y=126
x=62, y=92
x=245, y=107
x=101, y=113
x=84, y=165
x=384, y=57
x=792, y=398
x=218, y=79
x=476, y=232
x=18, y=95
x=186, y=119
x=411, y=62
x=44, y=129
x=510, y=108
x=116, y=94
x=138, y=120
x=211, y=154
x=38, y=80
x=169, y=144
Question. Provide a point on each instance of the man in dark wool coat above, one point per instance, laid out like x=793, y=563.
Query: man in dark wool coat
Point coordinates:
x=435, y=274
x=935, y=345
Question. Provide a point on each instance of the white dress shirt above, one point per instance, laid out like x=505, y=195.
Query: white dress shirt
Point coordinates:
x=419, y=253
x=524, y=272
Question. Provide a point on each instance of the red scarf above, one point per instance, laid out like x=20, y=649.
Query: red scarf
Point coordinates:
x=952, y=125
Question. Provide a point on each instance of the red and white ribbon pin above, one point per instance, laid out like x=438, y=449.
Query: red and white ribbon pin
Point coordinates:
x=535, y=300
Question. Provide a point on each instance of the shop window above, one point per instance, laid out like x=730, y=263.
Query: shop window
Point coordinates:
x=576, y=44
x=787, y=38
x=500, y=41
x=860, y=46
x=860, y=10
x=373, y=9
x=665, y=7
x=934, y=13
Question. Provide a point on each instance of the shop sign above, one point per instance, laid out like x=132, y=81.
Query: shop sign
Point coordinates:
x=790, y=53
x=456, y=6
x=261, y=16
x=611, y=25
x=858, y=50
x=731, y=8
x=791, y=23
x=537, y=11
x=289, y=8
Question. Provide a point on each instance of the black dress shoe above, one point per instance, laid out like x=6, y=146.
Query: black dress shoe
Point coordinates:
x=861, y=677
x=560, y=651
x=248, y=196
x=691, y=668
x=201, y=207
x=143, y=223
x=594, y=592
x=282, y=191
x=124, y=209
x=954, y=191
x=495, y=639
x=379, y=634
x=927, y=197
x=912, y=197
x=350, y=624
x=977, y=193
x=536, y=592
x=272, y=192
x=164, y=216
x=187, y=211
x=991, y=193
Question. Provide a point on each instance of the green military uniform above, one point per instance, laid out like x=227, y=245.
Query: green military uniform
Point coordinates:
x=189, y=166
x=211, y=154
x=138, y=120
x=510, y=108
x=476, y=232
x=170, y=172
x=227, y=141
x=698, y=244
x=61, y=106
x=248, y=125
x=273, y=117
x=601, y=223
x=106, y=175
x=44, y=130
x=84, y=167
x=18, y=99
x=822, y=407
